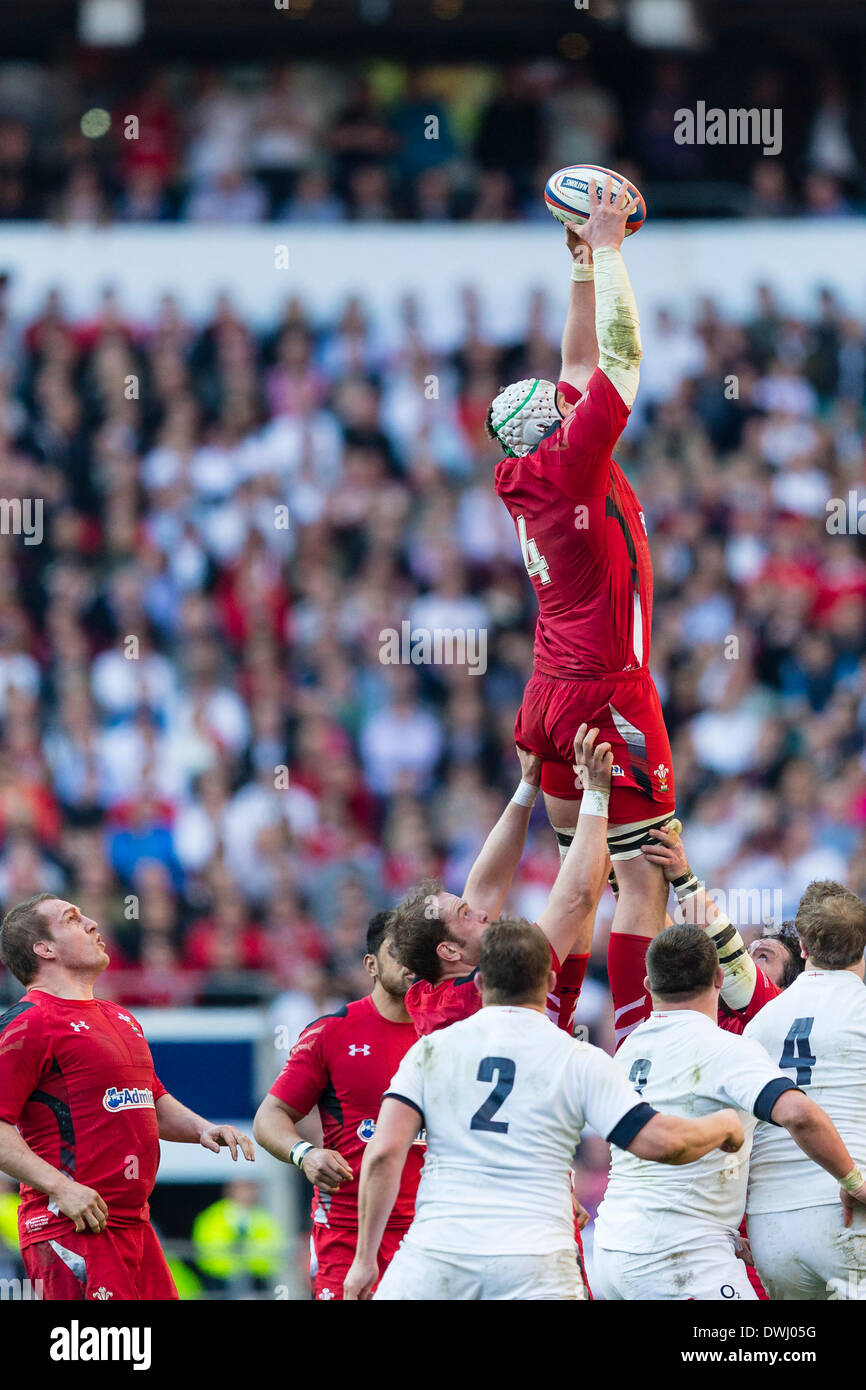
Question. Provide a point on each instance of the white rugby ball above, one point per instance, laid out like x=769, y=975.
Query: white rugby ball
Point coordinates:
x=566, y=193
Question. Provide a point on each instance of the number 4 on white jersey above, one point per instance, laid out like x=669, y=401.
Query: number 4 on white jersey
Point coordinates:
x=535, y=563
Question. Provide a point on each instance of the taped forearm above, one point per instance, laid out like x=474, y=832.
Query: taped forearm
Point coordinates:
x=741, y=973
x=617, y=324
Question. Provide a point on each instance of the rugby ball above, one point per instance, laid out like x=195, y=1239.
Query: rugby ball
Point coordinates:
x=566, y=193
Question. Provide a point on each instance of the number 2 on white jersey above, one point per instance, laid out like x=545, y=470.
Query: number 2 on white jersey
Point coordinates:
x=535, y=563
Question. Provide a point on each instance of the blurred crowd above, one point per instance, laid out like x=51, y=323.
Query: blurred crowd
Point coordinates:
x=199, y=741
x=308, y=142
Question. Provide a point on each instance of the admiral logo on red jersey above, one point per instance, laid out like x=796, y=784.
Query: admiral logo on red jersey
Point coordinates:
x=127, y=1098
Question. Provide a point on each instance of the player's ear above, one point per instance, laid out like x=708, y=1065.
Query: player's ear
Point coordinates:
x=551, y=982
x=371, y=965
x=720, y=977
x=447, y=950
x=43, y=949
x=646, y=984
x=479, y=982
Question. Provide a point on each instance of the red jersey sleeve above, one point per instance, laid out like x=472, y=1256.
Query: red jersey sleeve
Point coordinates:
x=305, y=1075
x=579, y=454
x=25, y=1051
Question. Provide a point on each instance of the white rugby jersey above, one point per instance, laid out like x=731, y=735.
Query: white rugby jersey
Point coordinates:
x=504, y=1096
x=816, y=1031
x=682, y=1063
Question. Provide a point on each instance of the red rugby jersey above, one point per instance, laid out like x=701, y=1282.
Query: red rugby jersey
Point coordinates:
x=343, y=1063
x=77, y=1078
x=432, y=1007
x=734, y=1021
x=583, y=537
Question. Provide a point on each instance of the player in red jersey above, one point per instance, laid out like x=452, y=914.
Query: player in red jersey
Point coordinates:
x=584, y=543
x=343, y=1064
x=82, y=1113
x=437, y=935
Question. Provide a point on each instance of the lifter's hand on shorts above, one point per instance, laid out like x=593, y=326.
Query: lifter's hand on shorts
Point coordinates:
x=84, y=1207
x=326, y=1169
x=666, y=849
x=592, y=765
x=850, y=1200
x=530, y=766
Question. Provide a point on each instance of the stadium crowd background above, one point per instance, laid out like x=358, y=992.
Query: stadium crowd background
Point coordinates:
x=317, y=143
x=199, y=742
x=171, y=655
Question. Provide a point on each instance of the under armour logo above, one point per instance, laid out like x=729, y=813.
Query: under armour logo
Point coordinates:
x=355, y=1048
x=79, y=1025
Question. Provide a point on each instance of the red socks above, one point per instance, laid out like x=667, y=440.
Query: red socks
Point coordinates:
x=626, y=971
x=569, y=982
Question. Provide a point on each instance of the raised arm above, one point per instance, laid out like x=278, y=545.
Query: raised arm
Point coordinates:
x=579, y=341
x=666, y=849
x=490, y=876
x=583, y=872
x=617, y=324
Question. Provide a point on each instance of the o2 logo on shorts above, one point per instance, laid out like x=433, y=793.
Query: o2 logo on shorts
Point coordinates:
x=127, y=1098
x=366, y=1130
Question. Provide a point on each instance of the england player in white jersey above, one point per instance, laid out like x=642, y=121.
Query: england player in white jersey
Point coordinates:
x=503, y=1097
x=672, y=1233
x=804, y=1246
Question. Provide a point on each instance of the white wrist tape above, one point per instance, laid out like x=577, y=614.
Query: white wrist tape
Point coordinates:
x=582, y=272
x=853, y=1181
x=299, y=1152
x=526, y=794
x=686, y=887
x=594, y=802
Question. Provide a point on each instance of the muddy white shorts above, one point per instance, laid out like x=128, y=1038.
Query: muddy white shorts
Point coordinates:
x=808, y=1254
x=424, y=1275
x=706, y=1271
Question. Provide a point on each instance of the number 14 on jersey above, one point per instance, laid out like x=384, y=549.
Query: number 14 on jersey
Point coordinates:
x=535, y=563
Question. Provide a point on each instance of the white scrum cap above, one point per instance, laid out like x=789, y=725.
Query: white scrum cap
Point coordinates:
x=523, y=413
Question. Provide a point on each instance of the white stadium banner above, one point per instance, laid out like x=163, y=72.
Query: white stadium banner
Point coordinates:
x=672, y=264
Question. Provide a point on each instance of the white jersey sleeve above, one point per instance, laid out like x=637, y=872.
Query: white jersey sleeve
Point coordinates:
x=744, y=1076
x=407, y=1083
x=603, y=1098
